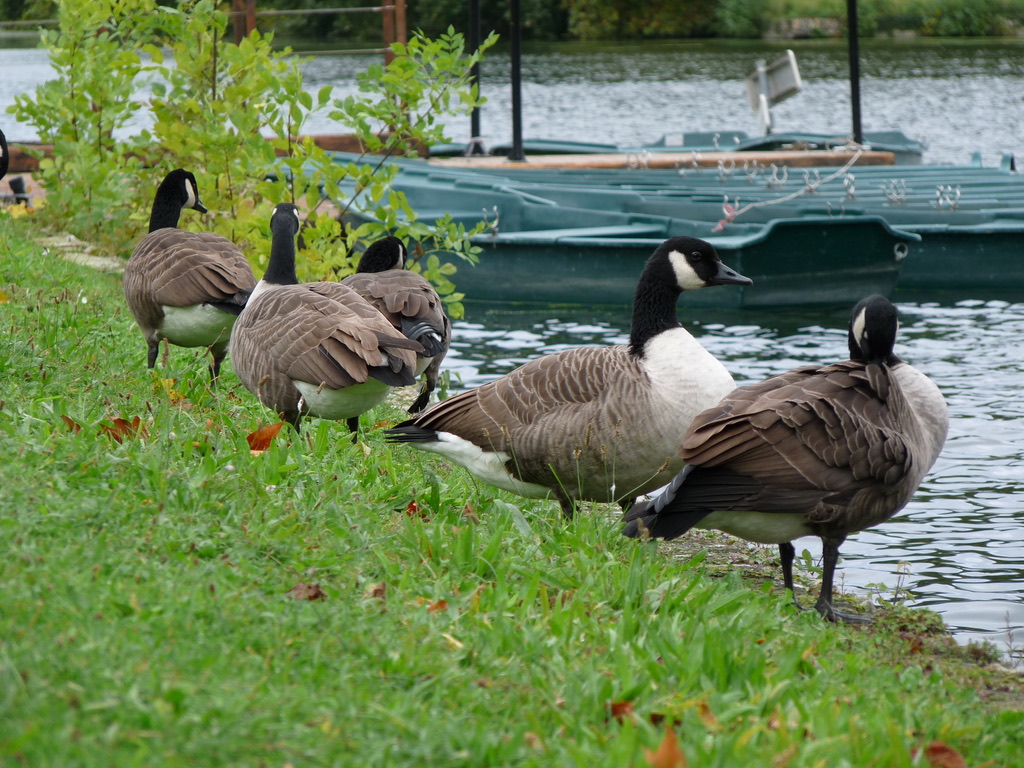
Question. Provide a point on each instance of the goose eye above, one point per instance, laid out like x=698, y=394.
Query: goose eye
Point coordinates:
x=696, y=255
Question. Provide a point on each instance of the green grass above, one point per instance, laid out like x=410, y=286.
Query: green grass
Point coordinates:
x=150, y=614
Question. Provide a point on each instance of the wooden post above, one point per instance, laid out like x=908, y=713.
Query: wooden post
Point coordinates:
x=250, y=17
x=401, y=32
x=243, y=18
x=388, y=20
x=238, y=19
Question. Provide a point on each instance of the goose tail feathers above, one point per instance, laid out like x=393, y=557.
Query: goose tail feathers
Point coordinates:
x=410, y=432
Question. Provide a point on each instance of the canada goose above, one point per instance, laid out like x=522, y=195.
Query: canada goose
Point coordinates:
x=599, y=424
x=818, y=451
x=316, y=348
x=185, y=287
x=409, y=302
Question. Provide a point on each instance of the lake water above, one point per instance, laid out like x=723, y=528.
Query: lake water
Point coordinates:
x=959, y=546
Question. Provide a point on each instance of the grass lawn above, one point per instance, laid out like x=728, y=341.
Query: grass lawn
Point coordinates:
x=171, y=598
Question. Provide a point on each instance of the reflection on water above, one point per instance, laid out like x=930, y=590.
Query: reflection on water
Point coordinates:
x=959, y=545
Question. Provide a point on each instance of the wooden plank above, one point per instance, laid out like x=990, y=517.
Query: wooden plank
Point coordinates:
x=669, y=160
x=21, y=161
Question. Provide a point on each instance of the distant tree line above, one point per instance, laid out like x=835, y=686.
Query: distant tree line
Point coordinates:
x=632, y=19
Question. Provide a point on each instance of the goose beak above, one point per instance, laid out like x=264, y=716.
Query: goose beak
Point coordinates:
x=200, y=207
x=728, y=276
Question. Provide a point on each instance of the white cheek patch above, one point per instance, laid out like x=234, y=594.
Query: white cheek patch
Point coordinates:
x=859, y=331
x=193, y=196
x=687, y=278
x=296, y=212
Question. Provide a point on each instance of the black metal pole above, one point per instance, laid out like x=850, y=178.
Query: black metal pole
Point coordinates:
x=474, y=73
x=854, y=47
x=515, y=33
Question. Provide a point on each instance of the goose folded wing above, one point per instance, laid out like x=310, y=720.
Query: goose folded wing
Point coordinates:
x=552, y=386
x=336, y=346
x=190, y=273
x=824, y=437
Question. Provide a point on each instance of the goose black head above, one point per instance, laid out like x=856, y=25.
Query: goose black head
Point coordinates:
x=873, y=326
x=285, y=220
x=384, y=254
x=180, y=185
x=695, y=264
x=178, y=190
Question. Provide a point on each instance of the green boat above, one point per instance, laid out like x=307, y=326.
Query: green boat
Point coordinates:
x=806, y=236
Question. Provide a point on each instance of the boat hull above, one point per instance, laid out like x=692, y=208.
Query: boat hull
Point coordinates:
x=792, y=263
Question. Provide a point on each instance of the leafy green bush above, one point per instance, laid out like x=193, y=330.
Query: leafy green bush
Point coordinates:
x=231, y=114
x=83, y=112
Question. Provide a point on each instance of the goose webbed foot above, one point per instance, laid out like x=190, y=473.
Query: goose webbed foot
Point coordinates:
x=830, y=613
x=824, y=607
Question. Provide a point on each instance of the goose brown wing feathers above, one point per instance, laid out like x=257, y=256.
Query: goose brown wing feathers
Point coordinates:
x=811, y=436
x=563, y=384
x=325, y=341
x=179, y=269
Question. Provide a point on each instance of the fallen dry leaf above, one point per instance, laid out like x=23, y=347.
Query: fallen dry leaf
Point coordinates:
x=122, y=428
x=941, y=755
x=73, y=425
x=303, y=591
x=620, y=710
x=377, y=591
x=470, y=514
x=706, y=715
x=412, y=509
x=668, y=754
x=439, y=605
x=261, y=439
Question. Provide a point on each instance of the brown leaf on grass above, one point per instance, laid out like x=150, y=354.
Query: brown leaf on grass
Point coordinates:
x=657, y=718
x=916, y=644
x=470, y=514
x=120, y=428
x=706, y=715
x=620, y=710
x=940, y=755
x=438, y=605
x=72, y=425
x=377, y=591
x=261, y=439
x=412, y=509
x=303, y=591
x=668, y=754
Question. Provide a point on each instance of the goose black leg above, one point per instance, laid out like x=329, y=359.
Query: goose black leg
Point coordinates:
x=568, y=506
x=218, y=352
x=787, y=554
x=152, y=350
x=829, y=560
x=353, y=427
